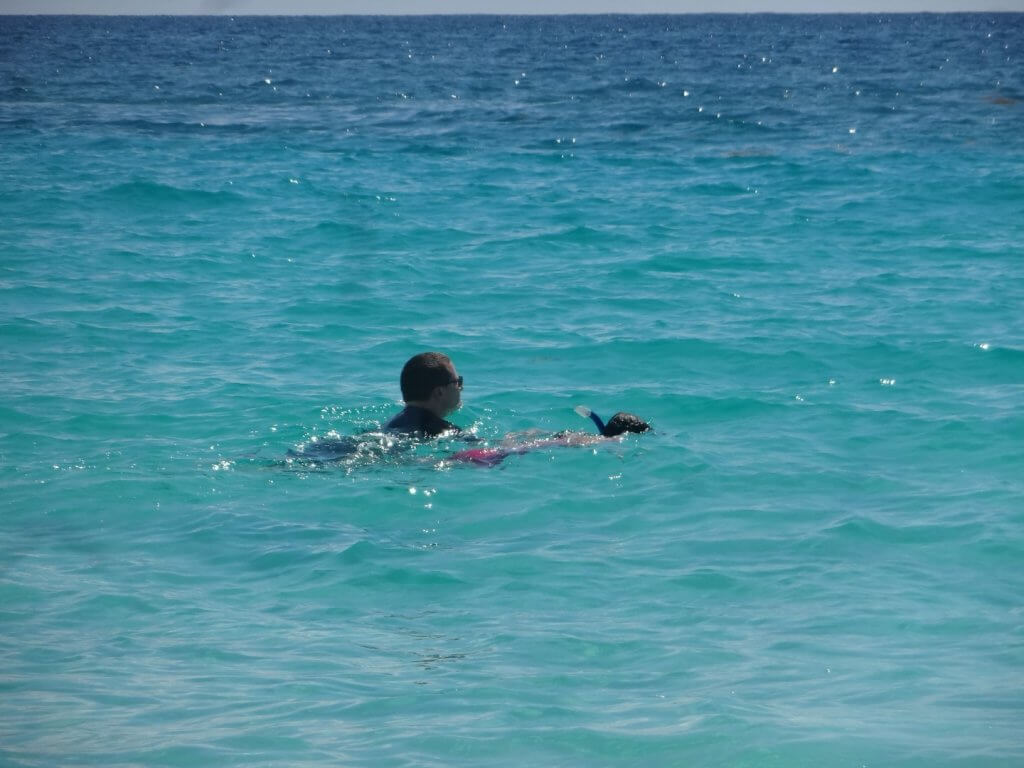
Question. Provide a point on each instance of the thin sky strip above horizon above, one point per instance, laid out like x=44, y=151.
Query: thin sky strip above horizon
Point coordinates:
x=510, y=7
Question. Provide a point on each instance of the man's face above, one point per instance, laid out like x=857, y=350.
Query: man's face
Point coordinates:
x=451, y=394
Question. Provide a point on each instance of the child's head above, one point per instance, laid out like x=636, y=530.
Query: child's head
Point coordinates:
x=624, y=422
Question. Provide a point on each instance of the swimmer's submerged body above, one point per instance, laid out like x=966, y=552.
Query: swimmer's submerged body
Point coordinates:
x=617, y=425
x=421, y=429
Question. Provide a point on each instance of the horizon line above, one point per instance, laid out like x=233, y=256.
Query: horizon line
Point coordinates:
x=257, y=14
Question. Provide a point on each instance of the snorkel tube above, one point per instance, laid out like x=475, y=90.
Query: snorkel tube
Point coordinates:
x=586, y=413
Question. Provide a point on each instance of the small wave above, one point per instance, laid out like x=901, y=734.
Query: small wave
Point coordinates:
x=359, y=552
x=157, y=194
x=627, y=85
x=754, y=153
x=139, y=125
x=118, y=606
x=434, y=150
x=407, y=578
x=16, y=95
x=629, y=126
x=868, y=529
x=720, y=189
x=331, y=233
x=715, y=408
x=706, y=579
x=572, y=236
x=1003, y=354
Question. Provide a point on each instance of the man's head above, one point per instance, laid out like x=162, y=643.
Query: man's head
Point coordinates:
x=429, y=381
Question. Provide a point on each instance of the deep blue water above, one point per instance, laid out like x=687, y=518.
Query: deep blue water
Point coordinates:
x=791, y=243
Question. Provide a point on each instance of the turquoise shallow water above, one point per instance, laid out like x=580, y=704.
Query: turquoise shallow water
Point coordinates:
x=792, y=243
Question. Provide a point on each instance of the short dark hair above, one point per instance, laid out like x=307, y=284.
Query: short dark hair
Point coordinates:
x=624, y=422
x=422, y=373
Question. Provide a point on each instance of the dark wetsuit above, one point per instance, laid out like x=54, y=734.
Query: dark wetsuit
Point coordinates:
x=416, y=420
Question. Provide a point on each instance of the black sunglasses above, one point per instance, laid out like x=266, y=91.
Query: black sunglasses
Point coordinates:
x=457, y=381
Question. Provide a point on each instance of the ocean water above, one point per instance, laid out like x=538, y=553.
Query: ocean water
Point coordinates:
x=791, y=243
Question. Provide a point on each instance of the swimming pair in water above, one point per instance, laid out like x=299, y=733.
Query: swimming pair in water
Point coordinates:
x=432, y=389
